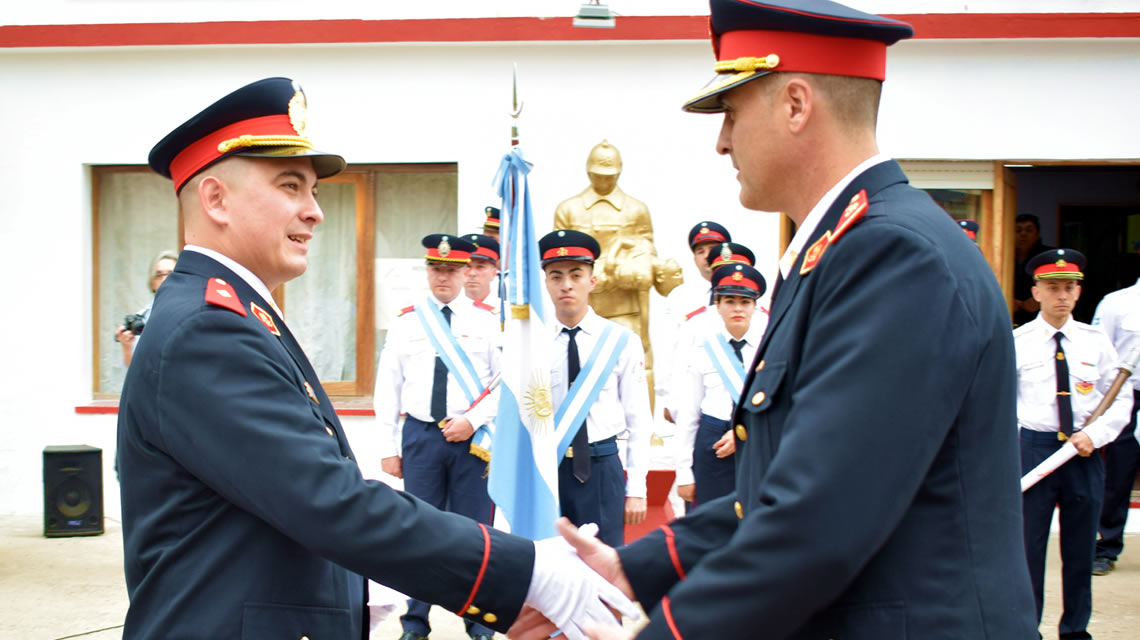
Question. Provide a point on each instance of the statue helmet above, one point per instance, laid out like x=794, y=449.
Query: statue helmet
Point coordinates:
x=604, y=160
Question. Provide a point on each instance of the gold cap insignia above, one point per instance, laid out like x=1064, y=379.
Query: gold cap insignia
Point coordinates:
x=298, y=110
x=444, y=247
x=1061, y=263
x=562, y=251
x=738, y=276
x=725, y=252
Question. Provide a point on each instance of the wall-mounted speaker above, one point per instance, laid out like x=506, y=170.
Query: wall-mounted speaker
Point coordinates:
x=73, y=491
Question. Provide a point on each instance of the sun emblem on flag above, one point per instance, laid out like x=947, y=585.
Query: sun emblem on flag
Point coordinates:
x=538, y=403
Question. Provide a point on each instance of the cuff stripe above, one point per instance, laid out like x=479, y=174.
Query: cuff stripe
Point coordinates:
x=482, y=569
x=666, y=608
x=671, y=544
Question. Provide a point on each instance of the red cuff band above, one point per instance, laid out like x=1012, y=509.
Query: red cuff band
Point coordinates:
x=482, y=569
x=667, y=609
x=671, y=544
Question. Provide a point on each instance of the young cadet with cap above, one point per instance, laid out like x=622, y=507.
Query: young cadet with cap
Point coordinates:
x=1063, y=370
x=971, y=228
x=491, y=224
x=599, y=375
x=244, y=512
x=713, y=382
x=876, y=492
x=439, y=357
x=1118, y=315
x=480, y=280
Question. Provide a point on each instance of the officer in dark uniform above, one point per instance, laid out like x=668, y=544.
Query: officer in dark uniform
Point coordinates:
x=877, y=467
x=244, y=512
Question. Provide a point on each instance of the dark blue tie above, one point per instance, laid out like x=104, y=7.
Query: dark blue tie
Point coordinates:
x=581, y=442
x=1064, y=396
x=439, y=381
x=738, y=347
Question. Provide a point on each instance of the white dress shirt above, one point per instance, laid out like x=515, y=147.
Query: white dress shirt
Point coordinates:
x=1092, y=367
x=701, y=390
x=685, y=299
x=406, y=371
x=623, y=402
x=245, y=274
x=1118, y=315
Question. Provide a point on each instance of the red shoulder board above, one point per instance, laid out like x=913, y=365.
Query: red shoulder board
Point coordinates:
x=484, y=306
x=408, y=309
x=265, y=318
x=699, y=310
x=220, y=293
x=815, y=253
x=855, y=210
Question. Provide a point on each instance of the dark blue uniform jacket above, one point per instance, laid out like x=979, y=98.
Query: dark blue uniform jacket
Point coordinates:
x=877, y=475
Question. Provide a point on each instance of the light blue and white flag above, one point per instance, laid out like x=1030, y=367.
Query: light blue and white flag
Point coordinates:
x=523, y=478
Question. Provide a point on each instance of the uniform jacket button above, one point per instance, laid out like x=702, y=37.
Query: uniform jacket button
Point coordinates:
x=741, y=432
x=758, y=398
x=739, y=509
x=490, y=618
x=760, y=366
x=473, y=610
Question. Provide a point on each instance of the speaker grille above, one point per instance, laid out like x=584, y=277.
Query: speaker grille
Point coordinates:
x=73, y=491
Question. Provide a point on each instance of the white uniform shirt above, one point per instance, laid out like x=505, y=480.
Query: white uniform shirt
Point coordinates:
x=1118, y=315
x=406, y=371
x=688, y=297
x=702, y=390
x=623, y=402
x=1092, y=367
x=698, y=322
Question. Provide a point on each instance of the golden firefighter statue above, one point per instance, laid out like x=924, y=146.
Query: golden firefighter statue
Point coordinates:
x=629, y=265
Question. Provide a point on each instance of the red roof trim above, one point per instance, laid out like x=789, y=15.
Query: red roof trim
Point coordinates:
x=927, y=26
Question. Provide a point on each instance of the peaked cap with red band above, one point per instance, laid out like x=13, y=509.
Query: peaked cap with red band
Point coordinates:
x=568, y=244
x=727, y=253
x=486, y=247
x=752, y=38
x=708, y=232
x=1057, y=264
x=970, y=227
x=445, y=249
x=492, y=221
x=738, y=280
x=265, y=119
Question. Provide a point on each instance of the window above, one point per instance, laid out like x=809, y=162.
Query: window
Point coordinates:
x=365, y=262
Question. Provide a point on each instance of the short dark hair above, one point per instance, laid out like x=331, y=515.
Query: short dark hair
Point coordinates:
x=1029, y=217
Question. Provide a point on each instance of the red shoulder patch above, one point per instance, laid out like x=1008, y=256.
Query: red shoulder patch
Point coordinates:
x=694, y=312
x=484, y=306
x=407, y=309
x=265, y=318
x=854, y=211
x=220, y=293
x=815, y=253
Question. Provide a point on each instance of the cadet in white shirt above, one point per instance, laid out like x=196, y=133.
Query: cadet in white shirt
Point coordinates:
x=1063, y=370
x=481, y=279
x=1118, y=315
x=438, y=358
x=712, y=383
x=600, y=366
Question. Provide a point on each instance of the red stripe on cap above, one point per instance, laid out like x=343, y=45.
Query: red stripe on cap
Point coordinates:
x=568, y=252
x=708, y=237
x=972, y=234
x=486, y=252
x=743, y=282
x=736, y=258
x=190, y=160
x=455, y=255
x=809, y=52
x=1052, y=267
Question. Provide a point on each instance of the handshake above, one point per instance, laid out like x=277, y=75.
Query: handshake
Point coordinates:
x=578, y=587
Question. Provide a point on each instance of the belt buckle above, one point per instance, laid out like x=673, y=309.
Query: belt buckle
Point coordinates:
x=570, y=452
x=1062, y=437
x=441, y=424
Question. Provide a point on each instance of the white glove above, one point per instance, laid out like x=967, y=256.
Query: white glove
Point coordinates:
x=569, y=592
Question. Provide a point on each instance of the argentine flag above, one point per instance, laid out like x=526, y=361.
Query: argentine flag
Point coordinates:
x=523, y=478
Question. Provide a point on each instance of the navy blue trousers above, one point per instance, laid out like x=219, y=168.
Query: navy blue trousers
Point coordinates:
x=446, y=476
x=601, y=499
x=715, y=477
x=1077, y=490
x=1121, y=463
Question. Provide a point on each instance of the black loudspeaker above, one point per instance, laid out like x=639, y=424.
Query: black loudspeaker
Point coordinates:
x=73, y=491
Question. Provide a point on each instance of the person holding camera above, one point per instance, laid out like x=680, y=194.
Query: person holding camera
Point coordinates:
x=127, y=333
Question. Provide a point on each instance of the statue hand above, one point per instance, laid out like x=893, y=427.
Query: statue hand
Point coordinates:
x=666, y=276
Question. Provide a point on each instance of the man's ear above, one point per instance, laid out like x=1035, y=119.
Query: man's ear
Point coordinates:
x=798, y=99
x=1036, y=293
x=214, y=195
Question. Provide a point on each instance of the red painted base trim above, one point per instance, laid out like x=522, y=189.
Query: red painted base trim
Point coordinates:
x=659, y=511
x=114, y=408
x=927, y=26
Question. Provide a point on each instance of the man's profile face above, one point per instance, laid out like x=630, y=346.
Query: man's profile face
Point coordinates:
x=751, y=135
x=445, y=280
x=274, y=211
x=569, y=284
x=1026, y=235
x=701, y=258
x=478, y=278
x=603, y=184
x=1057, y=298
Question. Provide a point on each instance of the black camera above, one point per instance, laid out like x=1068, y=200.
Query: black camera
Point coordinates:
x=134, y=323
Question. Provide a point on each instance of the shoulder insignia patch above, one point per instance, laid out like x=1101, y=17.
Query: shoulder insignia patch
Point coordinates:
x=220, y=293
x=484, y=306
x=854, y=211
x=695, y=312
x=407, y=309
x=815, y=252
x=265, y=318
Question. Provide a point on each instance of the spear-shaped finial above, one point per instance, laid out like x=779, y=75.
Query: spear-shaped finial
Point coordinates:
x=516, y=106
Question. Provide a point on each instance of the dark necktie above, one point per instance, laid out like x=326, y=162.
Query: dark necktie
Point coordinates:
x=581, y=442
x=439, y=381
x=738, y=347
x=1064, y=397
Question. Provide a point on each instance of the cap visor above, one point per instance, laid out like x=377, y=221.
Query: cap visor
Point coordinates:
x=708, y=99
x=743, y=292
x=325, y=164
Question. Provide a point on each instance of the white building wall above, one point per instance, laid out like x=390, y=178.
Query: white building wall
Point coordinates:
x=65, y=109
